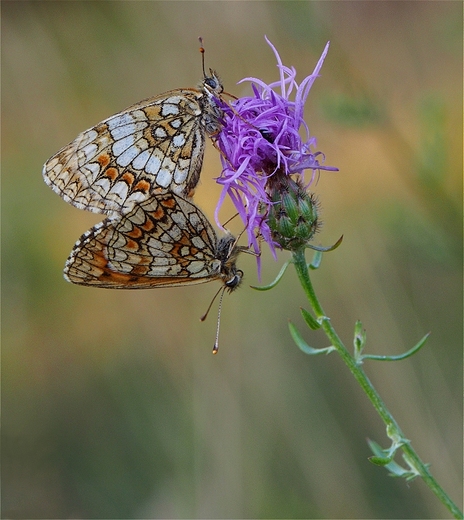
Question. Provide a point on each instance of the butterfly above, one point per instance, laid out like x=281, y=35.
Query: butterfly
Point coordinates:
x=154, y=146
x=164, y=241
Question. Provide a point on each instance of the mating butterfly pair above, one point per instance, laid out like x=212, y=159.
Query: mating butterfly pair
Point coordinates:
x=141, y=167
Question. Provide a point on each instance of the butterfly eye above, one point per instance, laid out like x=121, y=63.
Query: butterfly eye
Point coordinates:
x=267, y=135
x=235, y=281
x=211, y=82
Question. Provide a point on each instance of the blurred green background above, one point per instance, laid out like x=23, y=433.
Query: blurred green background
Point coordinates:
x=113, y=406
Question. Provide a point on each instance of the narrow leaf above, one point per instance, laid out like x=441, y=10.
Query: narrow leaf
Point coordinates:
x=405, y=355
x=325, y=249
x=379, y=461
x=311, y=322
x=359, y=340
x=384, y=458
x=303, y=346
x=316, y=261
x=276, y=281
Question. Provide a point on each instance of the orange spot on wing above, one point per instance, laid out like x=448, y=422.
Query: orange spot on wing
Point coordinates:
x=148, y=225
x=159, y=213
x=142, y=186
x=135, y=233
x=169, y=203
x=132, y=244
x=111, y=173
x=129, y=178
x=176, y=247
x=139, y=270
x=103, y=159
x=99, y=260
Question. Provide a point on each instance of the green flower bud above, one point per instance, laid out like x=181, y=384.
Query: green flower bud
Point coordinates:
x=293, y=214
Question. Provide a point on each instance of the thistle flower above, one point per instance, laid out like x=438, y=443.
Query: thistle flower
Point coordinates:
x=260, y=142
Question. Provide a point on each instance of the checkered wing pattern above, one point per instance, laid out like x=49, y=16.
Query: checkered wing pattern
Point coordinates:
x=152, y=147
x=163, y=241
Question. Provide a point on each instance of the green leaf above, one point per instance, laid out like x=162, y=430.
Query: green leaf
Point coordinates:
x=276, y=281
x=311, y=322
x=303, y=346
x=379, y=461
x=410, y=352
x=385, y=458
x=359, y=340
x=316, y=261
x=322, y=249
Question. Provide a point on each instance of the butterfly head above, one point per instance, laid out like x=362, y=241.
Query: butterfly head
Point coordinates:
x=227, y=252
x=212, y=84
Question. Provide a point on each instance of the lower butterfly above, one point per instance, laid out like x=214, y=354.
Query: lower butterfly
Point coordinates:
x=165, y=241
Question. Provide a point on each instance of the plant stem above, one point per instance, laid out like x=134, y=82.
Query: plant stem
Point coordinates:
x=393, y=430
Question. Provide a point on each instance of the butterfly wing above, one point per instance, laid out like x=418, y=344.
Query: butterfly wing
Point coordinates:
x=164, y=241
x=154, y=146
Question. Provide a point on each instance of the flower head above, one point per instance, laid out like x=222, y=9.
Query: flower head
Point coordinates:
x=260, y=141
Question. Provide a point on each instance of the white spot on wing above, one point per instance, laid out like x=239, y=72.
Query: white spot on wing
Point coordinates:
x=138, y=217
x=180, y=175
x=179, y=219
x=179, y=140
x=86, y=138
x=90, y=151
x=176, y=123
x=93, y=170
x=153, y=164
x=119, y=120
x=197, y=267
x=164, y=178
x=198, y=242
x=123, y=131
x=169, y=110
x=121, y=189
x=119, y=243
x=104, y=184
x=160, y=132
x=132, y=128
x=123, y=144
x=195, y=220
x=141, y=160
x=128, y=156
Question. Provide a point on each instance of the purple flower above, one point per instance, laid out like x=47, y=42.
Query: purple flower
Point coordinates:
x=260, y=141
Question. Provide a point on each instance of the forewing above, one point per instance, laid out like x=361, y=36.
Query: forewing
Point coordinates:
x=154, y=146
x=164, y=241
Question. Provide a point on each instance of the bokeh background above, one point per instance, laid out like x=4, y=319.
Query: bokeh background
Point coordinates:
x=113, y=406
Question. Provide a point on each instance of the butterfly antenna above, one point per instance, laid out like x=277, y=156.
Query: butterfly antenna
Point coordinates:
x=216, y=343
x=229, y=219
x=202, y=50
x=241, y=248
x=205, y=315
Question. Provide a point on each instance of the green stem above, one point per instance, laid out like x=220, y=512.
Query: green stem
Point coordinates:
x=393, y=430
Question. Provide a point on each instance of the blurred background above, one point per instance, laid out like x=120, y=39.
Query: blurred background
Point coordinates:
x=113, y=406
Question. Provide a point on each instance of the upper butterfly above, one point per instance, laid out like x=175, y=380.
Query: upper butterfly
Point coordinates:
x=154, y=146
